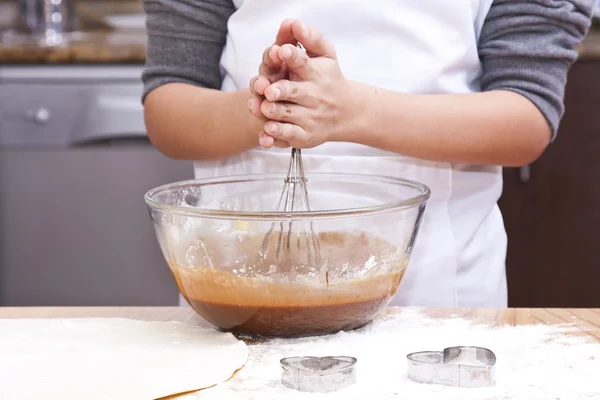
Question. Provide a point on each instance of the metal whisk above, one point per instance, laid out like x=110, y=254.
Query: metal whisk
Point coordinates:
x=294, y=192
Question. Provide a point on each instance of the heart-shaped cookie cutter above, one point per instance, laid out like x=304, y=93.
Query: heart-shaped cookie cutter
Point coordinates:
x=461, y=366
x=318, y=374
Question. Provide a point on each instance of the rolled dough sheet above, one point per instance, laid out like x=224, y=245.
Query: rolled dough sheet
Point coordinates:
x=112, y=359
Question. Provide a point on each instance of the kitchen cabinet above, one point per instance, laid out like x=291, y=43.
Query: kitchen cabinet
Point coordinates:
x=75, y=162
x=553, y=219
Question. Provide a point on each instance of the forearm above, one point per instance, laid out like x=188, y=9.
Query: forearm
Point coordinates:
x=496, y=127
x=187, y=122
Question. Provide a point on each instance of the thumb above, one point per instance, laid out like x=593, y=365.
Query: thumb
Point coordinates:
x=314, y=43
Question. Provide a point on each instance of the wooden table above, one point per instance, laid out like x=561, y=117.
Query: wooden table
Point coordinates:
x=588, y=320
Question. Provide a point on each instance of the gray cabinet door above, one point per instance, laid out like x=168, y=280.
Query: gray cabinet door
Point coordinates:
x=74, y=229
x=41, y=115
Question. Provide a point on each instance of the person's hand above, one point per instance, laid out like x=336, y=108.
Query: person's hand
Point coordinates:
x=272, y=69
x=315, y=104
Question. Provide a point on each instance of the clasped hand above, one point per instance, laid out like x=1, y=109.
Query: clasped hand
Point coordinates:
x=301, y=95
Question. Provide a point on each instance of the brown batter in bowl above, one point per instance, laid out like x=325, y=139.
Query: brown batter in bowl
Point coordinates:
x=295, y=300
x=211, y=233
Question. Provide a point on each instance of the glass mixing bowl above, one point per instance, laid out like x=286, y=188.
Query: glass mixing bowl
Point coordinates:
x=212, y=235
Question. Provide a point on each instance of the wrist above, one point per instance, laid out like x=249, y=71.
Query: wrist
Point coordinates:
x=253, y=125
x=355, y=120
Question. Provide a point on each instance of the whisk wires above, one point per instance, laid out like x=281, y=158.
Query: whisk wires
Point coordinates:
x=294, y=190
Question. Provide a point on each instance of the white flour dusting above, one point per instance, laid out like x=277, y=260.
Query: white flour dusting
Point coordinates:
x=534, y=362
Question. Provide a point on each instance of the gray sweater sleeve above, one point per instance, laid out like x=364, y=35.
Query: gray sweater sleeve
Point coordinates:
x=528, y=46
x=185, y=42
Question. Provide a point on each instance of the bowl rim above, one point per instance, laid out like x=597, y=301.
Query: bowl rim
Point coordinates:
x=422, y=196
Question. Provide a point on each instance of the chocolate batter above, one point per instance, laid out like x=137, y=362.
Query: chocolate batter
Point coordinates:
x=358, y=277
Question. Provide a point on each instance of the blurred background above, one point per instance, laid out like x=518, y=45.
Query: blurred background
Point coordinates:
x=75, y=163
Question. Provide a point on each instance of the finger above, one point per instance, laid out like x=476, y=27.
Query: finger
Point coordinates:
x=285, y=35
x=254, y=107
x=290, y=91
x=271, y=63
x=267, y=142
x=281, y=144
x=288, y=133
x=313, y=41
x=297, y=60
x=258, y=84
x=285, y=112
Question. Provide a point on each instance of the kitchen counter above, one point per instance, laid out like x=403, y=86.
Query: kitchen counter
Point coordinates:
x=90, y=48
x=130, y=48
x=583, y=322
x=587, y=321
x=107, y=32
x=99, y=43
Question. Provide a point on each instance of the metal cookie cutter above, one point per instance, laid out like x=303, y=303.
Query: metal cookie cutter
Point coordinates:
x=462, y=366
x=318, y=374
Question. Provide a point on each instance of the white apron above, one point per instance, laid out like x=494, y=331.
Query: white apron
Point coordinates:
x=411, y=46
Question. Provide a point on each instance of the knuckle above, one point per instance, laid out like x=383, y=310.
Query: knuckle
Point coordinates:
x=303, y=60
x=299, y=58
x=287, y=113
x=322, y=100
x=289, y=91
x=294, y=91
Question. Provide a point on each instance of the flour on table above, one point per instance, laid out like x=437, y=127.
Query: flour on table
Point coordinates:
x=112, y=359
x=534, y=362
